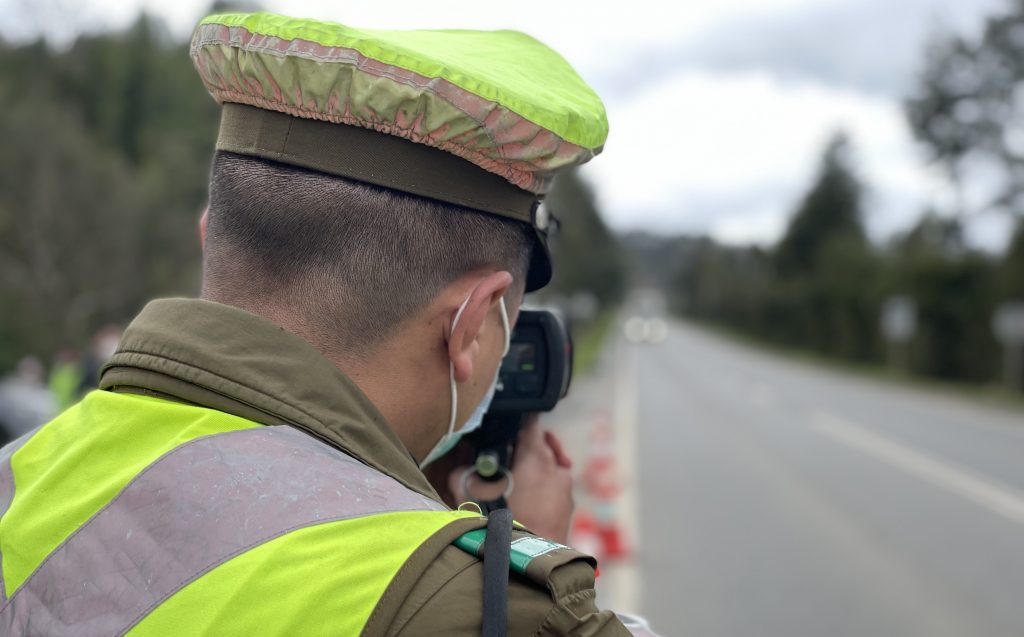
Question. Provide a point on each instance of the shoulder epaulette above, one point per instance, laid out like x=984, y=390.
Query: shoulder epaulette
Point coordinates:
x=524, y=548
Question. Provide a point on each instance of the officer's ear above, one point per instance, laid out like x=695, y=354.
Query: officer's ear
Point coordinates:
x=464, y=343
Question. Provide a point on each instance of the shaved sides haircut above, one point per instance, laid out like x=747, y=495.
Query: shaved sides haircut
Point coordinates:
x=354, y=260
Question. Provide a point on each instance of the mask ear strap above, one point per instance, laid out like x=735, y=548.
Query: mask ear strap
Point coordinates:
x=504, y=324
x=451, y=372
x=454, y=391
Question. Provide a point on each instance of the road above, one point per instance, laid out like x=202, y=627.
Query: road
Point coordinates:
x=771, y=497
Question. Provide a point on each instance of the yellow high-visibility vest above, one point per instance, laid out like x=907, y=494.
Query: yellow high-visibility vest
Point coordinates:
x=133, y=514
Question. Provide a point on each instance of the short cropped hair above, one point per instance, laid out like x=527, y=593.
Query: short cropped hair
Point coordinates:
x=355, y=259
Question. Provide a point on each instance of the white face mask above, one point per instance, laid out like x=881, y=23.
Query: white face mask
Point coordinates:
x=450, y=439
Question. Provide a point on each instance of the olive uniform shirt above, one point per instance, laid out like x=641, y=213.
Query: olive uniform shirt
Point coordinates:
x=224, y=358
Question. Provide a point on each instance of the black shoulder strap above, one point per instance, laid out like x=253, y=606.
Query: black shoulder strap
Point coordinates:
x=497, y=551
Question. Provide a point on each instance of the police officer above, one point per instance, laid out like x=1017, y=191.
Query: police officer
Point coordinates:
x=252, y=463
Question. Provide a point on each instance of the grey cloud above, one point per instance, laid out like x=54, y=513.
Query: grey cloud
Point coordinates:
x=696, y=211
x=868, y=46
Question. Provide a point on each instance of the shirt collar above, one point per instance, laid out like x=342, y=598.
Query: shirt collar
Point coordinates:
x=221, y=357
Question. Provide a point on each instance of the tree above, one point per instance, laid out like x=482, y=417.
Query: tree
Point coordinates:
x=67, y=209
x=934, y=236
x=825, y=296
x=1011, y=269
x=954, y=292
x=829, y=214
x=103, y=174
x=586, y=254
x=968, y=105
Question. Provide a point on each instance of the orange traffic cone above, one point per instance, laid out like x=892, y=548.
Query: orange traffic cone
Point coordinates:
x=601, y=481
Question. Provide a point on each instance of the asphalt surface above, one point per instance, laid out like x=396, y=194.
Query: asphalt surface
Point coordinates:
x=771, y=497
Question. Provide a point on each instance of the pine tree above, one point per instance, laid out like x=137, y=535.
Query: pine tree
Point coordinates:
x=829, y=214
x=586, y=254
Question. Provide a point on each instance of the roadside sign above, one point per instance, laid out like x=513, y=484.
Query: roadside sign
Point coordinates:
x=899, y=319
x=1008, y=323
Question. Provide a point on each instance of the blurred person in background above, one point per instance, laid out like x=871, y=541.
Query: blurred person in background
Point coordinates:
x=25, y=400
x=104, y=344
x=65, y=380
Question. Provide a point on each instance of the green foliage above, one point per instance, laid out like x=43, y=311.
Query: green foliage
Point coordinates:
x=1011, y=270
x=821, y=289
x=954, y=290
x=724, y=283
x=824, y=299
x=828, y=218
x=967, y=103
x=966, y=108
x=814, y=290
x=102, y=178
x=590, y=341
x=586, y=254
x=954, y=303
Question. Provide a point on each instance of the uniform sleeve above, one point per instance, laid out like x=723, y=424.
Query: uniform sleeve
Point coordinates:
x=446, y=602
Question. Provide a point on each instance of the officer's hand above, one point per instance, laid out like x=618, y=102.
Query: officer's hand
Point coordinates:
x=542, y=497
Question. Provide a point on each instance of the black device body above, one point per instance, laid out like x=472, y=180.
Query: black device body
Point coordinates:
x=533, y=377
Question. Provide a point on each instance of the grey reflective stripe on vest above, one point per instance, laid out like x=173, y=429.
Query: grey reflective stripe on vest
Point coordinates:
x=7, y=487
x=195, y=508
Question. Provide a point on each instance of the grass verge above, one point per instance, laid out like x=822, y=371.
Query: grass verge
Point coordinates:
x=589, y=340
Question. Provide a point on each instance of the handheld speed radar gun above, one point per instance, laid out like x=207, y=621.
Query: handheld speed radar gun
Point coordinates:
x=534, y=376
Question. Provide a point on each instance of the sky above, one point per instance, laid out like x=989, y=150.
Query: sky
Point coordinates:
x=718, y=109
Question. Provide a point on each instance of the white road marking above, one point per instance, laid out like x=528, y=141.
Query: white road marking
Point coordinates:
x=985, y=492
x=624, y=583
